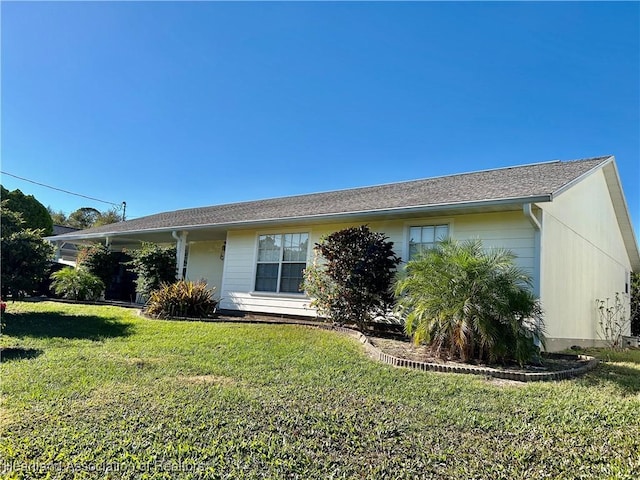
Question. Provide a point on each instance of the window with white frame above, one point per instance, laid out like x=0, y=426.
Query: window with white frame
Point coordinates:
x=424, y=237
x=282, y=259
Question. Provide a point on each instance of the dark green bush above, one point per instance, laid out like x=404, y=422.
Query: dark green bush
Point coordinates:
x=352, y=282
x=24, y=254
x=182, y=299
x=154, y=265
x=99, y=260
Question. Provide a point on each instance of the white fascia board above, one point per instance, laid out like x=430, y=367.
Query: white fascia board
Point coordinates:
x=612, y=178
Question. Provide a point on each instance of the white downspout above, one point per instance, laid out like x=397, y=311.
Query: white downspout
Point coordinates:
x=537, y=251
x=532, y=218
x=537, y=257
x=181, y=246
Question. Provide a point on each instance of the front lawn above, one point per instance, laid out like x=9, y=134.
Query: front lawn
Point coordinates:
x=97, y=392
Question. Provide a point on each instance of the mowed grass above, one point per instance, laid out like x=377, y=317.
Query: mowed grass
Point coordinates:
x=98, y=392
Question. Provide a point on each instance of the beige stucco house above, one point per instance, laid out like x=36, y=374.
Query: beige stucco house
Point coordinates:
x=567, y=222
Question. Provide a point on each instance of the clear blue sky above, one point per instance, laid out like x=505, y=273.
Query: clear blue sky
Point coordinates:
x=176, y=105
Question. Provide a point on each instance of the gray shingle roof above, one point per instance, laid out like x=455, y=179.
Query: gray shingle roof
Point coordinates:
x=517, y=183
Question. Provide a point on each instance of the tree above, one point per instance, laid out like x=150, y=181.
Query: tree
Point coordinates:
x=85, y=217
x=470, y=303
x=107, y=217
x=58, y=218
x=154, y=265
x=34, y=214
x=353, y=284
x=24, y=255
x=11, y=222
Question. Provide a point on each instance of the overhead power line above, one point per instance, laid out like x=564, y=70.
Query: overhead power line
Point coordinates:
x=118, y=205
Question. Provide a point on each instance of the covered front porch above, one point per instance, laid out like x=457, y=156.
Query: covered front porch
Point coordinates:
x=200, y=252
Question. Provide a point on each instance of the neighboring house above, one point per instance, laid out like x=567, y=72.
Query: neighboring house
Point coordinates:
x=567, y=222
x=66, y=252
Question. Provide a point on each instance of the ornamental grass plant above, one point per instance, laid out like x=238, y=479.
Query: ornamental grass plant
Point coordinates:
x=182, y=299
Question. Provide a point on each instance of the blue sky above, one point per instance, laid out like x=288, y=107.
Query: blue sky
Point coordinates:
x=177, y=105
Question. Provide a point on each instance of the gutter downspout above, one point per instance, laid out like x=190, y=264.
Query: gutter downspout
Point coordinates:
x=526, y=208
x=537, y=252
x=181, y=246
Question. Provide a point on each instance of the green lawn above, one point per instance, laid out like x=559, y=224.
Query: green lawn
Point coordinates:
x=97, y=392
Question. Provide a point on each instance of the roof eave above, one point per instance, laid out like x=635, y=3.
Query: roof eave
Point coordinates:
x=417, y=209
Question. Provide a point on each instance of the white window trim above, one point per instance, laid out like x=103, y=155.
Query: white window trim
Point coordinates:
x=282, y=231
x=422, y=222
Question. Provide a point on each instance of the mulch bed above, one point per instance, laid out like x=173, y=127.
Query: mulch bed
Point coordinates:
x=406, y=349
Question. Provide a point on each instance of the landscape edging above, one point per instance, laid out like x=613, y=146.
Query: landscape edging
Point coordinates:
x=591, y=363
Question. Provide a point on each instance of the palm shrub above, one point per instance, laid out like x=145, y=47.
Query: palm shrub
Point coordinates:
x=76, y=284
x=470, y=303
x=182, y=299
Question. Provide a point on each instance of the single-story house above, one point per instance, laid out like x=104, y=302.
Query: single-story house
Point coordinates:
x=567, y=222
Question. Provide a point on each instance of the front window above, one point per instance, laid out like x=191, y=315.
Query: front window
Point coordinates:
x=282, y=259
x=426, y=237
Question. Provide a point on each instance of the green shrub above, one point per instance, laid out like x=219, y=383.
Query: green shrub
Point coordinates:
x=154, y=265
x=24, y=254
x=99, y=260
x=76, y=284
x=353, y=282
x=470, y=303
x=182, y=299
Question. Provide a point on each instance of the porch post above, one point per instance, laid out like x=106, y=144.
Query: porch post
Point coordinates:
x=57, y=252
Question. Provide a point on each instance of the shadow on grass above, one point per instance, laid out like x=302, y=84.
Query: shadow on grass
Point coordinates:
x=626, y=378
x=52, y=324
x=18, y=353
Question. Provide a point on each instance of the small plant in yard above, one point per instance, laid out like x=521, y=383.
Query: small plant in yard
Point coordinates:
x=76, y=284
x=182, y=299
x=635, y=304
x=353, y=283
x=613, y=321
x=469, y=303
